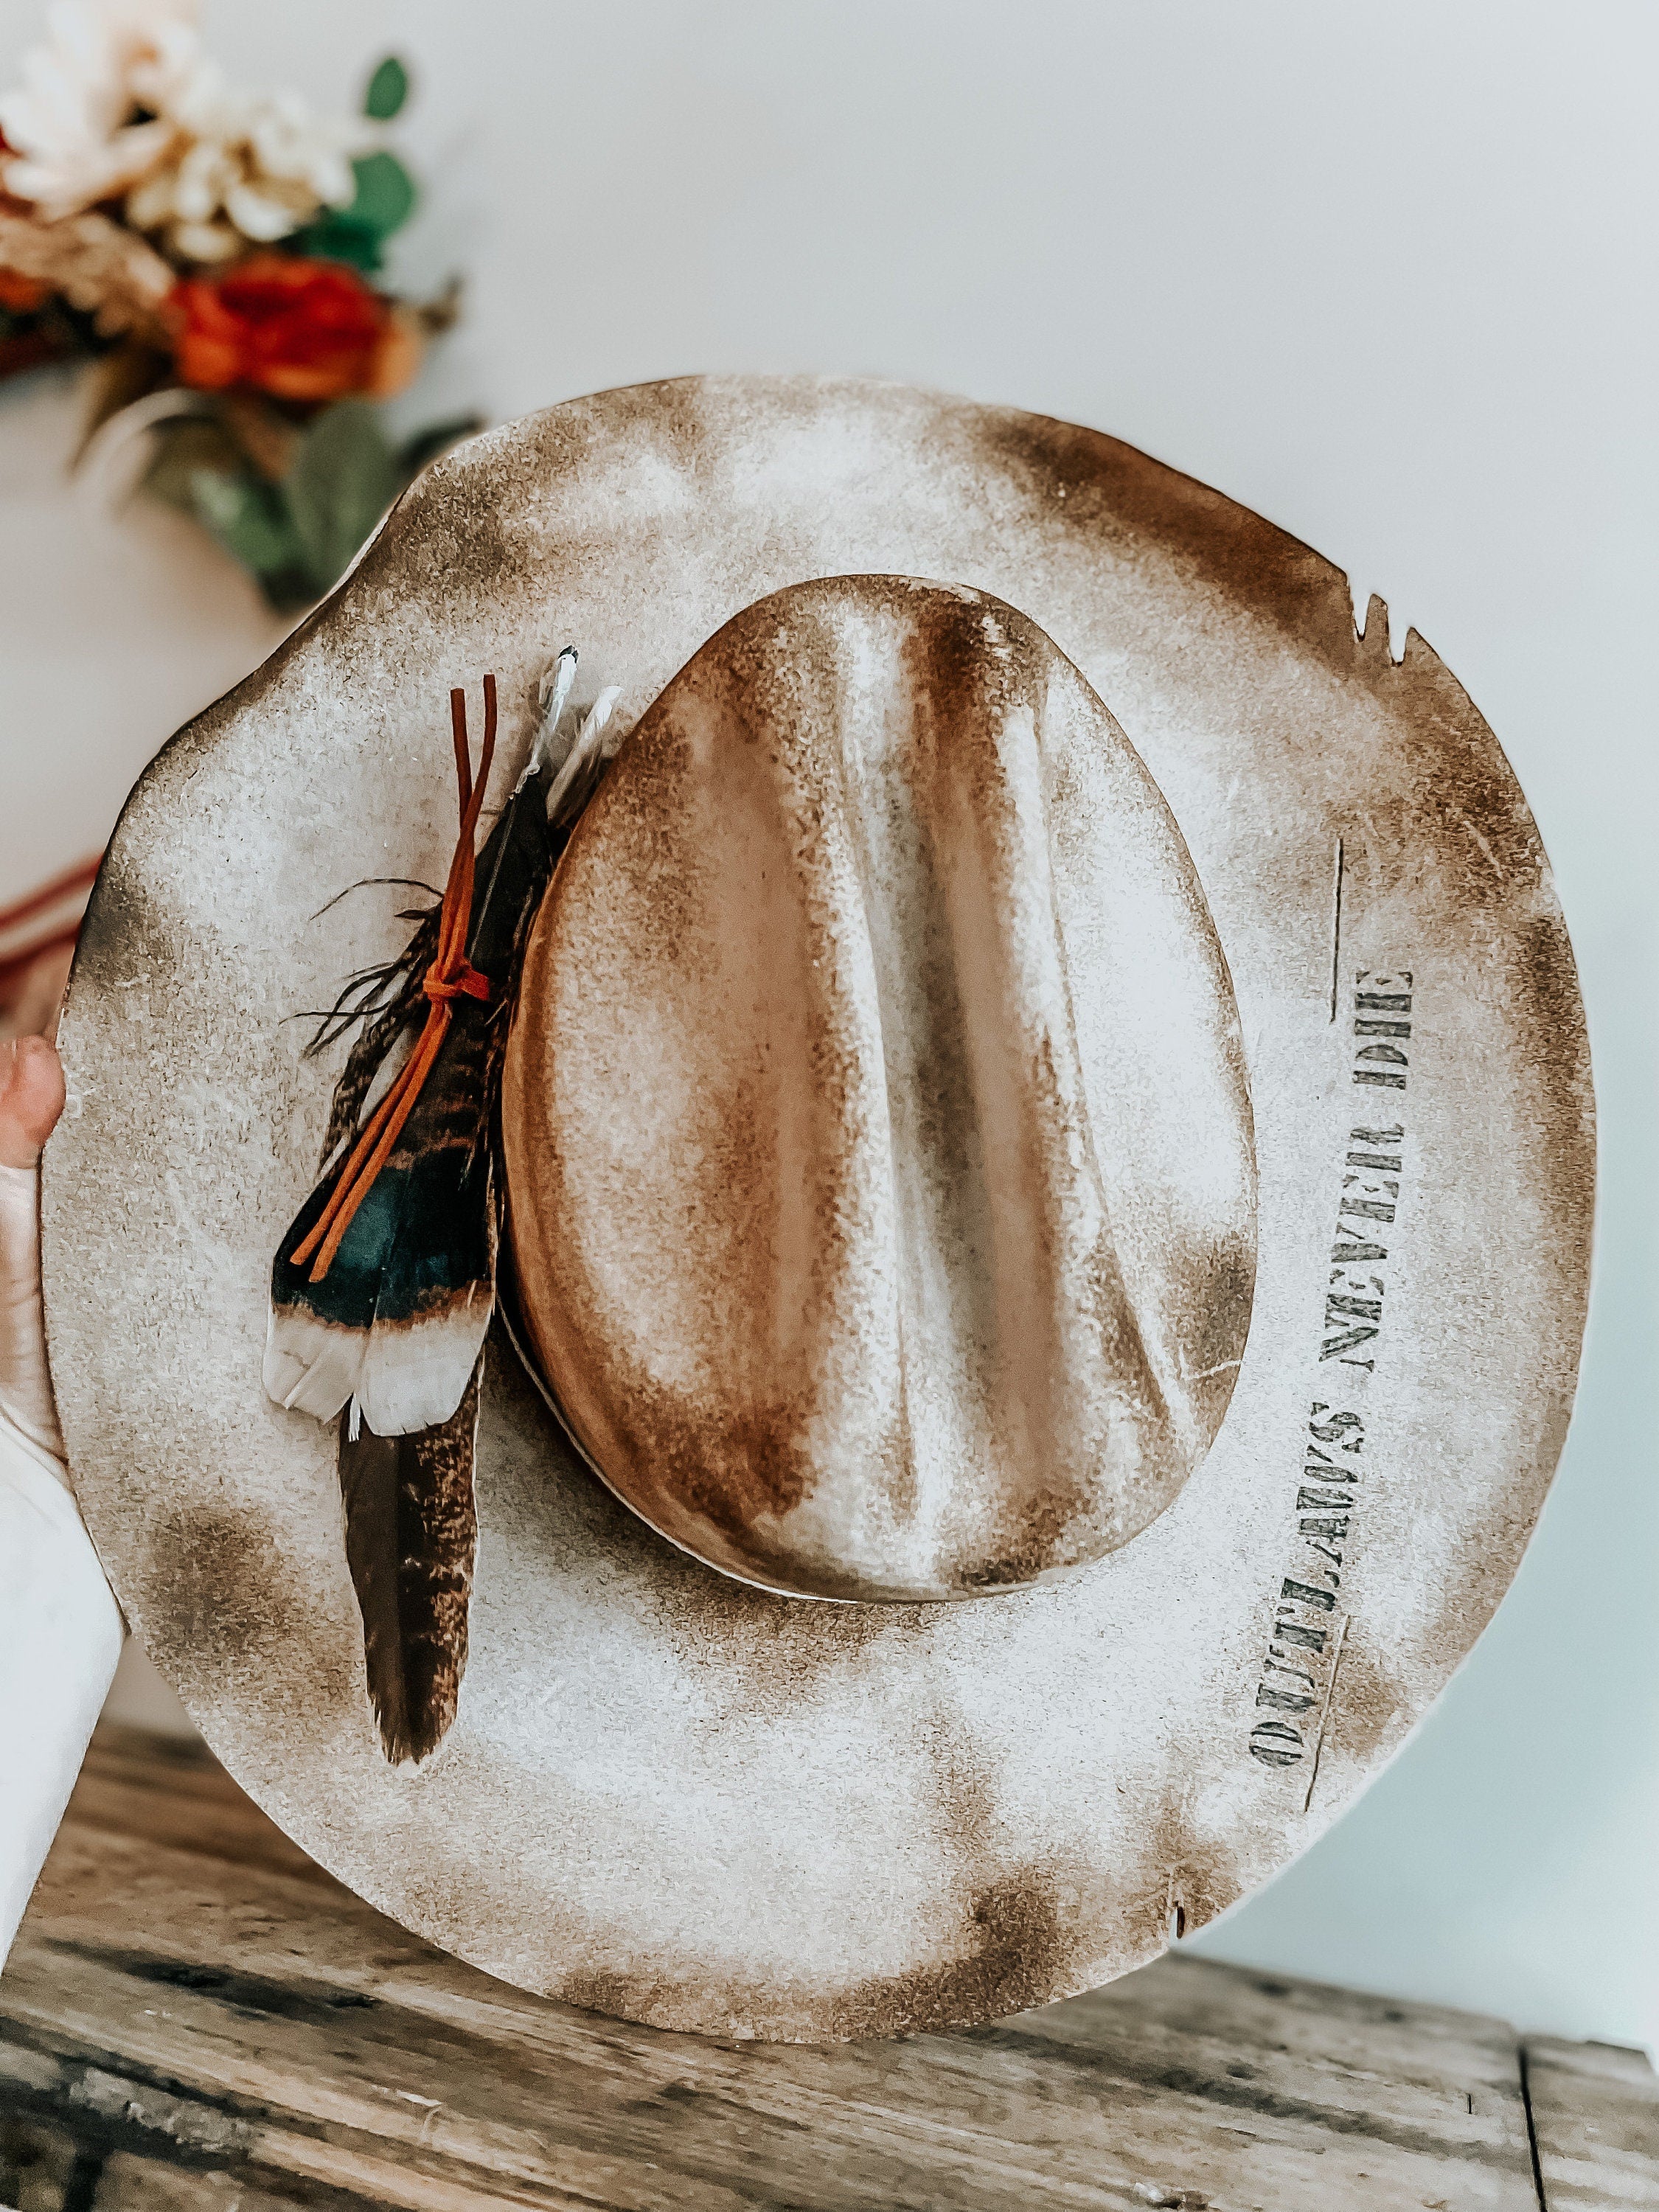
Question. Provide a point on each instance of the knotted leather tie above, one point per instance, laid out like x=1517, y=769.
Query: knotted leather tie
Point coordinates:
x=451, y=976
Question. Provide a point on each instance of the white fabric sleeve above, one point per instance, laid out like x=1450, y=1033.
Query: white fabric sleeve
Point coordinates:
x=61, y=1634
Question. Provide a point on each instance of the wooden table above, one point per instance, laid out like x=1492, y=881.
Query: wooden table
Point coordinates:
x=195, y=2015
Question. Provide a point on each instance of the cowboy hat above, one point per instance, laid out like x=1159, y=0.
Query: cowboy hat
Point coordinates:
x=1043, y=1098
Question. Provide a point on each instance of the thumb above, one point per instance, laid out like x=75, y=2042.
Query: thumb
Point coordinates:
x=31, y=1100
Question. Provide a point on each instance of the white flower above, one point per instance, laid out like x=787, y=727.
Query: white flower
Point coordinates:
x=248, y=169
x=71, y=121
x=122, y=99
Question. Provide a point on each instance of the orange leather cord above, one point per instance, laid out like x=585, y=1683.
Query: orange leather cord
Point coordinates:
x=450, y=976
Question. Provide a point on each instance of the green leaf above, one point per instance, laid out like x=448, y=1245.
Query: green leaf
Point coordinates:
x=339, y=236
x=344, y=479
x=184, y=449
x=385, y=200
x=297, y=536
x=385, y=193
x=388, y=88
x=248, y=518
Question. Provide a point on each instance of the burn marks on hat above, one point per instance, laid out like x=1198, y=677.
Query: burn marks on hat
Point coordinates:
x=646, y=518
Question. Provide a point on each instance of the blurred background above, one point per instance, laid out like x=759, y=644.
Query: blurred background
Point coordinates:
x=1385, y=275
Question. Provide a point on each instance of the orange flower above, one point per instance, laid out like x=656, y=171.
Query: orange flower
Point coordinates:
x=295, y=328
x=22, y=294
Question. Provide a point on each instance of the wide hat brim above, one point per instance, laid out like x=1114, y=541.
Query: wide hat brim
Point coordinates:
x=667, y=1795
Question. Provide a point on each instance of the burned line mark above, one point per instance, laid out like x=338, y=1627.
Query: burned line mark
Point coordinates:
x=1325, y=1711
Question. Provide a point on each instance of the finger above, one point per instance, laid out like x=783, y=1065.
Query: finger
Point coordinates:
x=35, y=998
x=31, y=1098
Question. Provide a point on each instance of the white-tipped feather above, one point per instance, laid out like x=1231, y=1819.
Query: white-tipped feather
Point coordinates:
x=589, y=754
x=312, y=1366
x=555, y=687
x=415, y=1373
x=412, y=1376
x=552, y=695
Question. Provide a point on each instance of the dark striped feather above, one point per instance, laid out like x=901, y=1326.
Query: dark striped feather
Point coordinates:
x=410, y=1533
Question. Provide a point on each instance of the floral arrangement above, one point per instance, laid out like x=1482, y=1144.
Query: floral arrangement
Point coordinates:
x=217, y=253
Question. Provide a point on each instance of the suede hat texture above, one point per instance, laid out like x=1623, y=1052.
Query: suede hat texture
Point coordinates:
x=1050, y=1078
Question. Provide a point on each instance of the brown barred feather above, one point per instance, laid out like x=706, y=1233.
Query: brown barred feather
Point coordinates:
x=411, y=1531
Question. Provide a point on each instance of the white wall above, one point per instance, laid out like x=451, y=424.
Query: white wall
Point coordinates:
x=1387, y=275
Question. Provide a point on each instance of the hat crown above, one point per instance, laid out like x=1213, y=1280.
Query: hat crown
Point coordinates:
x=878, y=1142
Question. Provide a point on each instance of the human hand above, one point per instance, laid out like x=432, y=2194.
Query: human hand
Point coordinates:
x=31, y=1100
x=60, y=1627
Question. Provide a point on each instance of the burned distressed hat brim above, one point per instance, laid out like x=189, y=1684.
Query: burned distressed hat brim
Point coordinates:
x=666, y=1794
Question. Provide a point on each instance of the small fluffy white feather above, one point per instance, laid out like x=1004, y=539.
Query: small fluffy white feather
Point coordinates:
x=589, y=754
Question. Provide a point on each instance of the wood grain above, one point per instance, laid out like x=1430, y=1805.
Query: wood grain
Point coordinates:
x=195, y=2017
x=1595, y=2122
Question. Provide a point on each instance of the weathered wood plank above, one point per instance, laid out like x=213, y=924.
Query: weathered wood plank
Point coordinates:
x=1596, y=2120
x=45, y=2169
x=171, y=1790
x=187, y=1991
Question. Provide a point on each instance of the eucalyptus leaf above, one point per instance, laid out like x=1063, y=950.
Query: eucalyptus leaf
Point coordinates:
x=385, y=193
x=388, y=88
x=346, y=477
x=385, y=200
x=299, y=535
x=249, y=518
x=182, y=450
x=338, y=236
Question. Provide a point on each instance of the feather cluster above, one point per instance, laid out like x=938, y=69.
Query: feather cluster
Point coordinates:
x=385, y=1332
